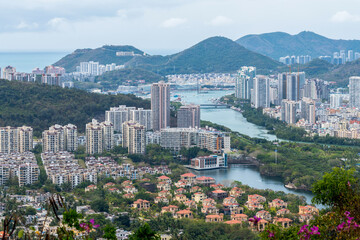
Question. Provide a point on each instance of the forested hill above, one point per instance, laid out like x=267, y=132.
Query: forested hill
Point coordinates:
x=41, y=106
x=279, y=44
x=215, y=54
x=104, y=55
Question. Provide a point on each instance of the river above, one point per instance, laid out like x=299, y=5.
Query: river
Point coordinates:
x=234, y=120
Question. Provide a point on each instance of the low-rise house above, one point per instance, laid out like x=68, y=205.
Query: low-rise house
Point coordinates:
x=128, y=195
x=165, y=237
x=164, y=193
x=236, y=192
x=141, y=204
x=206, y=181
x=308, y=210
x=122, y=234
x=233, y=209
x=232, y=222
x=161, y=200
x=195, y=189
x=126, y=183
x=261, y=225
x=239, y=217
x=219, y=194
x=198, y=197
x=214, y=218
x=109, y=185
x=277, y=203
x=190, y=204
x=164, y=179
x=210, y=209
x=181, y=198
x=217, y=186
x=229, y=201
x=305, y=218
x=208, y=202
x=256, y=197
x=180, y=191
x=83, y=209
x=114, y=190
x=253, y=205
x=189, y=178
x=130, y=189
x=90, y=188
x=171, y=209
x=284, y=222
x=163, y=186
x=183, y=214
x=282, y=212
x=181, y=184
x=264, y=215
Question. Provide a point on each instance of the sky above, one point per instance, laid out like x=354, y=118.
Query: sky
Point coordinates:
x=165, y=26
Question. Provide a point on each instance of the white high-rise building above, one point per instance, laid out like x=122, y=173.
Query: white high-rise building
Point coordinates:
x=134, y=137
x=70, y=135
x=99, y=137
x=288, y=111
x=354, y=91
x=261, y=96
x=188, y=116
x=118, y=115
x=245, y=82
x=16, y=140
x=160, y=105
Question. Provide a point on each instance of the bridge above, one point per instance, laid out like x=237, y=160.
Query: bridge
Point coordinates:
x=215, y=105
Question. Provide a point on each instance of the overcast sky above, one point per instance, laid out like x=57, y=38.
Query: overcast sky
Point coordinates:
x=165, y=26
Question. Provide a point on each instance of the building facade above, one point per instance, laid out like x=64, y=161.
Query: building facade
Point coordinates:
x=188, y=116
x=160, y=105
x=134, y=137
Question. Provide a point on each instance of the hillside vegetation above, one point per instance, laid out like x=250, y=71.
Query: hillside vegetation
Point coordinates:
x=279, y=44
x=41, y=106
x=103, y=55
x=215, y=54
x=129, y=76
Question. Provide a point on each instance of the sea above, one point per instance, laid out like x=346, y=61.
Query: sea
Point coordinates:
x=27, y=61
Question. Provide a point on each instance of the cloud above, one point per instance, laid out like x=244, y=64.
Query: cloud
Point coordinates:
x=173, y=22
x=221, y=21
x=344, y=16
x=27, y=26
x=56, y=22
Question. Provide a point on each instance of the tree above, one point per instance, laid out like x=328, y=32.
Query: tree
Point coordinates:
x=30, y=211
x=144, y=232
x=100, y=205
x=109, y=232
x=335, y=188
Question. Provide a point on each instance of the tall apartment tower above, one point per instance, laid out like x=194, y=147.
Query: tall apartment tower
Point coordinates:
x=94, y=140
x=354, y=92
x=25, y=139
x=51, y=140
x=261, y=96
x=288, y=111
x=282, y=78
x=14, y=140
x=134, y=137
x=70, y=135
x=160, y=105
x=118, y=115
x=245, y=82
x=99, y=137
x=142, y=116
x=107, y=135
x=188, y=116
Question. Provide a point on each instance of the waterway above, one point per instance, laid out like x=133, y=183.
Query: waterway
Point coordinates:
x=234, y=120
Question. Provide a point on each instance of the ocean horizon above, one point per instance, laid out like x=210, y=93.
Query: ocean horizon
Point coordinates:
x=27, y=61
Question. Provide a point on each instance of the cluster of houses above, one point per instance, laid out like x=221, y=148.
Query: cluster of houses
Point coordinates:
x=218, y=205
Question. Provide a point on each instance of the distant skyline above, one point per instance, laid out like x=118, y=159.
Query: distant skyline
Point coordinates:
x=165, y=26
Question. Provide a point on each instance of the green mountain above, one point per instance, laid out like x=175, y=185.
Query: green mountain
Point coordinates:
x=315, y=68
x=128, y=76
x=341, y=73
x=279, y=44
x=41, y=106
x=215, y=54
x=104, y=55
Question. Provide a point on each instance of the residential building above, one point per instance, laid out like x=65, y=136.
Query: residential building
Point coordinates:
x=160, y=105
x=188, y=116
x=354, y=92
x=244, y=82
x=209, y=162
x=99, y=137
x=134, y=137
x=261, y=97
x=288, y=111
x=60, y=138
x=13, y=140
